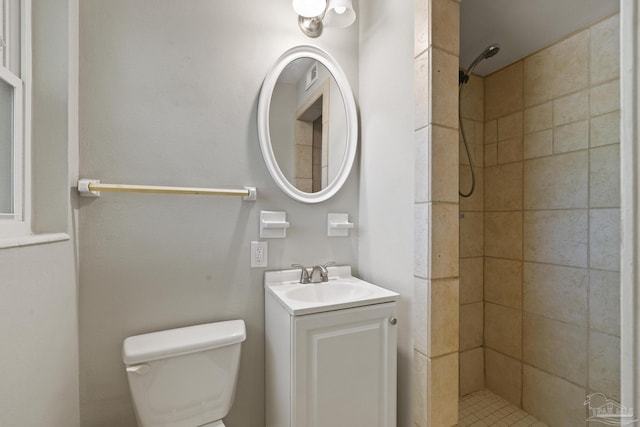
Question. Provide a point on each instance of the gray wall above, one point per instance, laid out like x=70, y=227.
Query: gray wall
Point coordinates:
x=168, y=95
x=387, y=163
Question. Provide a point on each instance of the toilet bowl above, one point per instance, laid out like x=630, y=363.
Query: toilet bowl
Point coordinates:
x=184, y=377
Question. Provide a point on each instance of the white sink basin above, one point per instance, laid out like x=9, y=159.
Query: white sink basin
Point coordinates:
x=341, y=291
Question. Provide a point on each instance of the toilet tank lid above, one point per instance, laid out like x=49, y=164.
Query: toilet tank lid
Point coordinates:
x=180, y=341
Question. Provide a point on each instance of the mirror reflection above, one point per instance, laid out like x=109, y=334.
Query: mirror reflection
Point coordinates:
x=6, y=148
x=308, y=125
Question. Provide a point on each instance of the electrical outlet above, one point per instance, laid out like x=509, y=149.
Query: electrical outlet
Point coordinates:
x=259, y=254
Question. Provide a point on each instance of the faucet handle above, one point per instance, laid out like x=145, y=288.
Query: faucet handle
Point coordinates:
x=304, y=274
x=329, y=264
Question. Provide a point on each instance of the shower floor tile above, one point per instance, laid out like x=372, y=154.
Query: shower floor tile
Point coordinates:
x=483, y=408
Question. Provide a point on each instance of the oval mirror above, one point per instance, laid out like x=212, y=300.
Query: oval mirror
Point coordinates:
x=307, y=124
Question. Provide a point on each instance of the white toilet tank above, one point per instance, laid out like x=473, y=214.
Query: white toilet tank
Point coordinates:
x=184, y=377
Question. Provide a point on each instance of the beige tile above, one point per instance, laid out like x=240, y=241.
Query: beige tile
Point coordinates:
x=510, y=150
x=605, y=129
x=604, y=243
x=469, y=128
x=471, y=279
x=422, y=30
x=504, y=376
x=571, y=137
x=444, y=317
x=503, y=329
x=503, y=235
x=422, y=90
x=491, y=132
x=472, y=99
x=556, y=292
x=503, y=92
x=605, y=50
x=605, y=98
x=480, y=128
x=444, y=254
x=538, y=144
x=510, y=126
x=303, y=161
x=443, y=391
x=475, y=202
x=552, y=399
x=444, y=86
x=571, y=108
x=604, y=176
x=420, y=380
x=503, y=187
x=604, y=301
x=557, y=237
x=471, y=371
x=557, y=70
x=443, y=163
x=557, y=182
x=556, y=347
x=421, y=314
x=422, y=175
x=445, y=25
x=471, y=230
x=421, y=240
x=538, y=118
x=604, y=364
x=304, y=184
x=503, y=282
x=491, y=154
x=471, y=326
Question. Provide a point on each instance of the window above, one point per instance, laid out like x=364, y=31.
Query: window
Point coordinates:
x=15, y=74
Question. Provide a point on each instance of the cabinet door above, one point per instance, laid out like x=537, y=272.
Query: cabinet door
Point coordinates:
x=345, y=368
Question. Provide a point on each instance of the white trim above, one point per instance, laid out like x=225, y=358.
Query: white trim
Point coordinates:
x=34, y=239
x=630, y=199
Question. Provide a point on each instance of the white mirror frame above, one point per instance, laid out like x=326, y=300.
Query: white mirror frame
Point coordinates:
x=264, y=104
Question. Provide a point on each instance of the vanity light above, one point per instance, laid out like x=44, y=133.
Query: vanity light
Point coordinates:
x=313, y=13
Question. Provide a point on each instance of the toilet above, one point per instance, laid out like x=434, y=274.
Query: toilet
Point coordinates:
x=184, y=377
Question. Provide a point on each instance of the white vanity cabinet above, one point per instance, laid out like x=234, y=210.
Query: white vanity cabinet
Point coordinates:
x=334, y=368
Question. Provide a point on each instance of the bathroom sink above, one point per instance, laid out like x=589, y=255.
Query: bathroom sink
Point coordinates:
x=342, y=290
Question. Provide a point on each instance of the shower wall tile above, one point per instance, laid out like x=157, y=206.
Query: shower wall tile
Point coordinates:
x=557, y=182
x=605, y=50
x=472, y=106
x=491, y=154
x=475, y=202
x=604, y=239
x=504, y=376
x=471, y=371
x=503, y=187
x=556, y=237
x=444, y=83
x=445, y=31
x=443, y=164
x=422, y=176
x=604, y=301
x=551, y=399
x=510, y=150
x=556, y=347
x=421, y=314
x=556, y=292
x=503, y=282
x=490, y=131
x=604, y=364
x=538, y=118
x=605, y=129
x=604, y=176
x=510, y=126
x=605, y=98
x=503, y=329
x=471, y=321
x=444, y=317
x=471, y=279
x=571, y=108
x=444, y=247
x=503, y=235
x=422, y=86
x=571, y=137
x=557, y=70
x=421, y=236
x=443, y=390
x=471, y=228
x=503, y=91
x=420, y=368
x=538, y=144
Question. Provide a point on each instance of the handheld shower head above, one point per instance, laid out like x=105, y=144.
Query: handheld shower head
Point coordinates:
x=490, y=51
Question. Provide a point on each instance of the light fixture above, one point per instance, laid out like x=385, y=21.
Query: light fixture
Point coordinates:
x=312, y=14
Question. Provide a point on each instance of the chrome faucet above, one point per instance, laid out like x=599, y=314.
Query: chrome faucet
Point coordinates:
x=304, y=274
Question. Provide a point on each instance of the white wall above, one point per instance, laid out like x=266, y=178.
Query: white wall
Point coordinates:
x=168, y=95
x=38, y=287
x=387, y=164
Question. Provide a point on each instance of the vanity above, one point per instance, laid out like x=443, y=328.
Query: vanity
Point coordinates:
x=330, y=351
